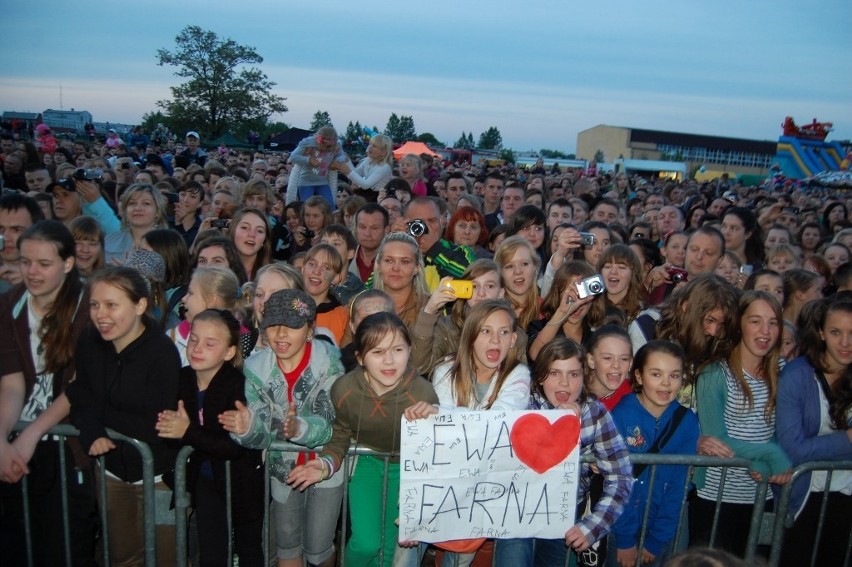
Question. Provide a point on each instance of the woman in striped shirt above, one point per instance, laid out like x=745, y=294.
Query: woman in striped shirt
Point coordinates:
x=736, y=403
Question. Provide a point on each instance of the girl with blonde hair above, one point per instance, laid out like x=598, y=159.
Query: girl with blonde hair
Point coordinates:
x=519, y=266
x=369, y=176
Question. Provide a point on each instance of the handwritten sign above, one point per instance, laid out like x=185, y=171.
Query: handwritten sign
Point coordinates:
x=493, y=474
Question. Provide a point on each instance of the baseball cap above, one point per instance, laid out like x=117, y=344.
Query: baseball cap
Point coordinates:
x=194, y=134
x=291, y=308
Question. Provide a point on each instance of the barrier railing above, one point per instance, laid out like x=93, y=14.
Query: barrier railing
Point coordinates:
x=766, y=528
x=784, y=518
x=61, y=433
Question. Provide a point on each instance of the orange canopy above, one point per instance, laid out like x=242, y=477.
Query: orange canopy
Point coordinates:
x=416, y=148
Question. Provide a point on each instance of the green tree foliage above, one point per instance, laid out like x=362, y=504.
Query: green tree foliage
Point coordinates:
x=400, y=128
x=406, y=129
x=392, y=127
x=491, y=139
x=321, y=119
x=430, y=140
x=465, y=142
x=507, y=155
x=555, y=154
x=223, y=90
x=353, y=138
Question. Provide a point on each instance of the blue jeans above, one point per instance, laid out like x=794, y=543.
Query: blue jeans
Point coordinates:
x=324, y=191
x=306, y=523
x=530, y=551
x=660, y=559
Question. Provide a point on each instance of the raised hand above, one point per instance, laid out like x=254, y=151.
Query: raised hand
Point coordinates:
x=173, y=424
x=443, y=294
x=236, y=421
x=291, y=423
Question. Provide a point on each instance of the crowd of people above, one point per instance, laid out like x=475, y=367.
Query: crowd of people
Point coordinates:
x=229, y=300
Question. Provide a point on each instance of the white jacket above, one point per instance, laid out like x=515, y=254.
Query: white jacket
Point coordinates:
x=514, y=395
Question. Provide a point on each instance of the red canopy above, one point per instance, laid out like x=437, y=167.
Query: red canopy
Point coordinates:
x=415, y=148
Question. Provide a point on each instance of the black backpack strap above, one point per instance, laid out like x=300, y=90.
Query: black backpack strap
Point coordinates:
x=663, y=438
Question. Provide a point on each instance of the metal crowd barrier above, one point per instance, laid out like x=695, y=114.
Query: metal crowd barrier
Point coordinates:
x=783, y=513
x=62, y=432
x=766, y=528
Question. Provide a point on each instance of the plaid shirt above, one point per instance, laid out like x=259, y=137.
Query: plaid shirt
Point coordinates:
x=599, y=437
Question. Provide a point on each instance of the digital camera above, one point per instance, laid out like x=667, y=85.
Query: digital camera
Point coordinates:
x=593, y=285
x=88, y=174
x=587, y=239
x=676, y=275
x=417, y=228
x=221, y=223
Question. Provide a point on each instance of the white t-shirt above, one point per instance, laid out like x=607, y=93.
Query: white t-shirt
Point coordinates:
x=42, y=394
x=841, y=481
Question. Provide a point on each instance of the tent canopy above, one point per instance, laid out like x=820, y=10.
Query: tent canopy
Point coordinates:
x=228, y=140
x=416, y=148
x=289, y=139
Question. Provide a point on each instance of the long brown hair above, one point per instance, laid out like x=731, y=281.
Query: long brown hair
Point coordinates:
x=265, y=251
x=682, y=318
x=561, y=280
x=463, y=370
x=529, y=302
x=769, y=365
x=623, y=254
x=811, y=323
x=57, y=330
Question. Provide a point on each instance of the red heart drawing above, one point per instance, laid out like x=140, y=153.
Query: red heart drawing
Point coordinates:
x=542, y=445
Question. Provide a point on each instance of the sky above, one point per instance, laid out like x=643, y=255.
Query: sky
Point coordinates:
x=540, y=71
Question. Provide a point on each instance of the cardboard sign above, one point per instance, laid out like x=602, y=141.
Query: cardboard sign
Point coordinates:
x=493, y=474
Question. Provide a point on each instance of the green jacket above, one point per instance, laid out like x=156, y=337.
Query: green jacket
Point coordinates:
x=266, y=396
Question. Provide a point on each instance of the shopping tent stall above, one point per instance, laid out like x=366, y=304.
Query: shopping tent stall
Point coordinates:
x=415, y=148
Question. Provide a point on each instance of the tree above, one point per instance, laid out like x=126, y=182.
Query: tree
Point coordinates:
x=465, y=142
x=321, y=118
x=507, y=155
x=392, y=127
x=223, y=89
x=491, y=139
x=554, y=154
x=406, y=129
x=599, y=156
x=430, y=140
x=352, y=138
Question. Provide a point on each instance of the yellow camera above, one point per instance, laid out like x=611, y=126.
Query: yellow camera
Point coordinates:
x=463, y=289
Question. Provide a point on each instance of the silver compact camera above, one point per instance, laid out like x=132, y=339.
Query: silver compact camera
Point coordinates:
x=417, y=228
x=587, y=239
x=593, y=285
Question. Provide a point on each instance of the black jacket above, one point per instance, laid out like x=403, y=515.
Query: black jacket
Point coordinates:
x=212, y=443
x=125, y=391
